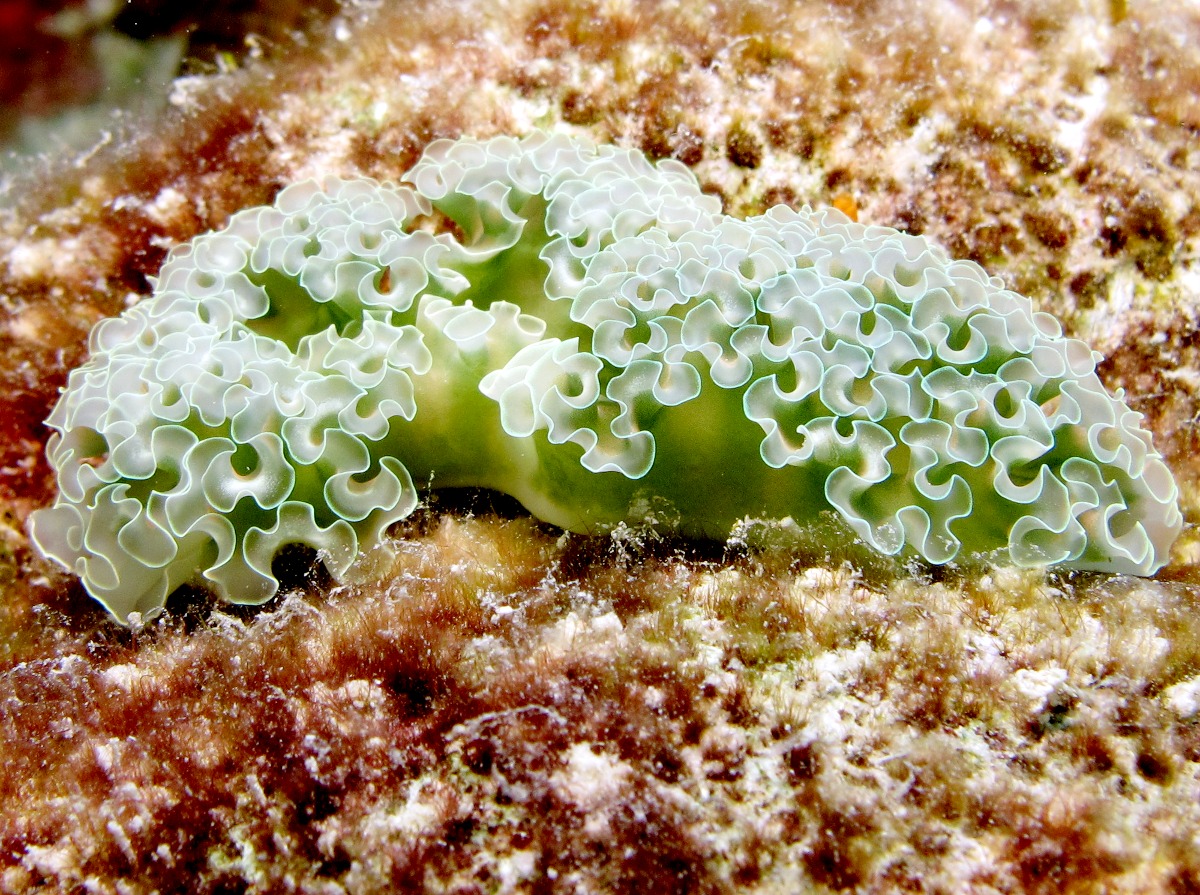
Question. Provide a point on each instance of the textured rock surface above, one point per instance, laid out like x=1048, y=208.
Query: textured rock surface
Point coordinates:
x=513, y=710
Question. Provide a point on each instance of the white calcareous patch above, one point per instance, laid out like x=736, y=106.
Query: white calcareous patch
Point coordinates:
x=1037, y=685
x=590, y=779
x=124, y=676
x=1183, y=698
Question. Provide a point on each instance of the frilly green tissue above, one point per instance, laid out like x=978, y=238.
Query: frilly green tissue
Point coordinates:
x=584, y=330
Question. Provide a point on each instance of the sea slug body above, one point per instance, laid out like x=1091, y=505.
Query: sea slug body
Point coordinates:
x=581, y=329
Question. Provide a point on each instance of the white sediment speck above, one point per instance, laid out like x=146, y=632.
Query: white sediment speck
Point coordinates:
x=572, y=631
x=123, y=676
x=1183, y=698
x=590, y=779
x=417, y=815
x=1038, y=684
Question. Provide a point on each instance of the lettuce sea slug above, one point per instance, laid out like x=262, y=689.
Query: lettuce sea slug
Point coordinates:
x=583, y=330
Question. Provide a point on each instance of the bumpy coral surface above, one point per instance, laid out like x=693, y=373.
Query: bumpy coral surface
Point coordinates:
x=586, y=331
